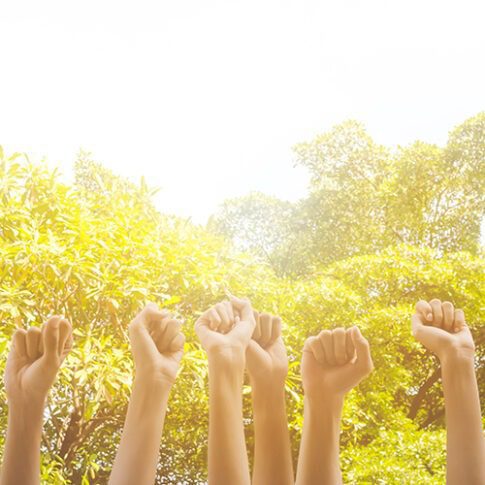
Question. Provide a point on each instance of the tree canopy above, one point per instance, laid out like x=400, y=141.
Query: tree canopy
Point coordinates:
x=378, y=230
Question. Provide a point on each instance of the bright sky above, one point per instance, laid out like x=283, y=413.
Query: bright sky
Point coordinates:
x=206, y=98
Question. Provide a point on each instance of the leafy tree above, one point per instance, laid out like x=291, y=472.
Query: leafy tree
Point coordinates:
x=97, y=250
x=365, y=197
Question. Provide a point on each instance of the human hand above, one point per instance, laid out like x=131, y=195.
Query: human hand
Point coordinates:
x=266, y=358
x=334, y=362
x=442, y=329
x=156, y=344
x=225, y=330
x=35, y=358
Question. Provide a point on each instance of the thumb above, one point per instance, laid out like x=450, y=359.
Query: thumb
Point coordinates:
x=424, y=309
x=243, y=306
x=140, y=339
x=362, y=351
x=50, y=340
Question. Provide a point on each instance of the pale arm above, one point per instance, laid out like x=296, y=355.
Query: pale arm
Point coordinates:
x=332, y=364
x=465, y=442
x=272, y=451
x=318, y=461
x=225, y=338
x=228, y=461
x=157, y=347
x=267, y=364
x=442, y=329
x=32, y=365
x=21, y=459
x=137, y=457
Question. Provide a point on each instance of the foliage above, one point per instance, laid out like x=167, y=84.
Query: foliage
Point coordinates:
x=97, y=250
x=364, y=197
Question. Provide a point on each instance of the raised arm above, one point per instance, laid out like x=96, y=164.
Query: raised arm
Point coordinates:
x=267, y=365
x=32, y=365
x=332, y=364
x=225, y=338
x=442, y=329
x=157, y=347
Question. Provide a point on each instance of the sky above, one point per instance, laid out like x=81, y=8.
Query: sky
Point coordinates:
x=205, y=99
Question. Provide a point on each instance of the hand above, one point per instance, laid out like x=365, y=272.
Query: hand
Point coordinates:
x=442, y=329
x=156, y=344
x=266, y=358
x=225, y=329
x=335, y=362
x=35, y=358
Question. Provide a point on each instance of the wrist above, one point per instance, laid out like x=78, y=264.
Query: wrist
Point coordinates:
x=269, y=401
x=325, y=403
x=457, y=357
x=155, y=383
x=27, y=404
x=26, y=417
x=232, y=359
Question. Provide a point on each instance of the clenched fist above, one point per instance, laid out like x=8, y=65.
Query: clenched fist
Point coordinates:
x=442, y=329
x=334, y=362
x=156, y=343
x=35, y=358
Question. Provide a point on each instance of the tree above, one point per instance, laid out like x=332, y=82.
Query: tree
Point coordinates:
x=97, y=250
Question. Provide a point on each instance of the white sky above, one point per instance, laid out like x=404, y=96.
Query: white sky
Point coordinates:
x=206, y=98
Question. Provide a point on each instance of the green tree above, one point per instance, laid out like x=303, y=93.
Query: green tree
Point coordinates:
x=97, y=250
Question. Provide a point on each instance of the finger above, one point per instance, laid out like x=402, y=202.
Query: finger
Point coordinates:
x=275, y=329
x=362, y=350
x=315, y=345
x=325, y=337
x=257, y=328
x=50, y=337
x=215, y=320
x=157, y=331
x=140, y=339
x=448, y=315
x=416, y=324
x=151, y=313
x=459, y=320
x=202, y=327
x=265, y=325
x=19, y=342
x=425, y=310
x=230, y=312
x=226, y=323
x=32, y=342
x=349, y=345
x=172, y=329
x=437, y=313
x=177, y=343
x=243, y=306
x=67, y=346
x=339, y=347
x=65, y=331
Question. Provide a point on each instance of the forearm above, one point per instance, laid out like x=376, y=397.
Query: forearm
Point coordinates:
x=272, y=451
x=137, y=456
x=318, y=462
x=21, y=458
x=228, y=462
x=465, y=442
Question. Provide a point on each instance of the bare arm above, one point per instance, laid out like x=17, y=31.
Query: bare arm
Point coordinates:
x=32, y=365
x=225, y=338
x=443, y=330
x=157, y=345
x=228, y=462
x=267, y=364
x=332, y=364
